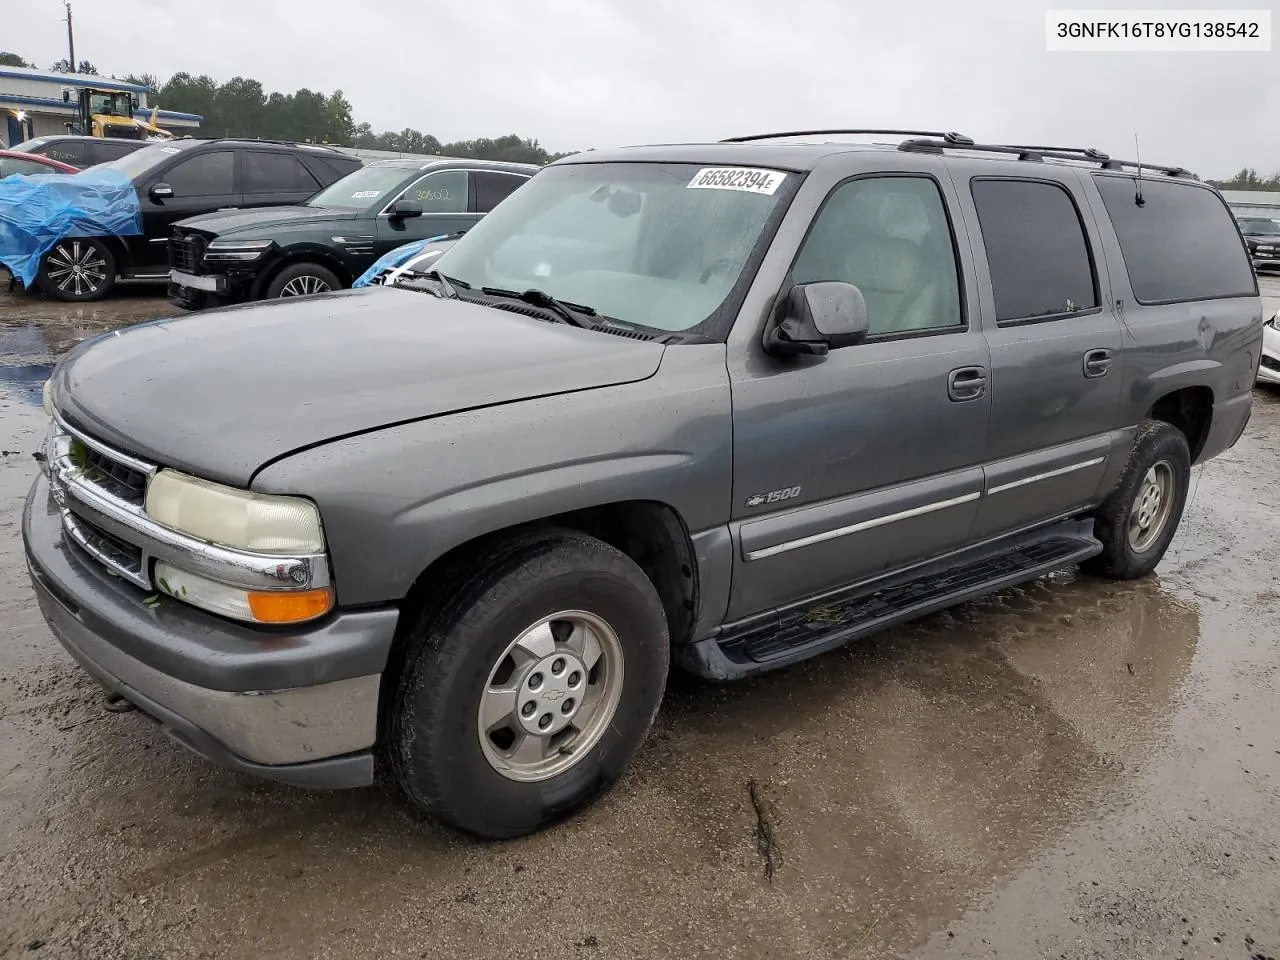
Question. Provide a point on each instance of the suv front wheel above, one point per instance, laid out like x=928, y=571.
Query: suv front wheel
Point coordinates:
x=77, y=269
x=302, y=280
x=1137, y=521
x=532, y=687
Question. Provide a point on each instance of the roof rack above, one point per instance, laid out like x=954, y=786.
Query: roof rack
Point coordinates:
x=283, y=143
x=1036, y=154
x=951, y=139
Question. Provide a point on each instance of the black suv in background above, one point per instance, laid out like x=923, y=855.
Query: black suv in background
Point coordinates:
x=326, y=243
x=175, y=180
x=1262, y=236
x=81, y=152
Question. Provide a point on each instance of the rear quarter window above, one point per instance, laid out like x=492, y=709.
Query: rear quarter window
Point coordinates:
x=1180, y=244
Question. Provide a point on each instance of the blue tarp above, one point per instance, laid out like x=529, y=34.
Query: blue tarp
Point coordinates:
x=395, y=258
x=37, y=211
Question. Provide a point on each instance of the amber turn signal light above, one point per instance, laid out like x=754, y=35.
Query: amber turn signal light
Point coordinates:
x=271, y=606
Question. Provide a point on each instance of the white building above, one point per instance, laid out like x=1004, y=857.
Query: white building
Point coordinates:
x=32, y=105
x=1253, y=203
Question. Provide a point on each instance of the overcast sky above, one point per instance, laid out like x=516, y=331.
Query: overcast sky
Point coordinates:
x=598, y=73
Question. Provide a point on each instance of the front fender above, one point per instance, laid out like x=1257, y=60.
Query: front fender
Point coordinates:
x=395, y=500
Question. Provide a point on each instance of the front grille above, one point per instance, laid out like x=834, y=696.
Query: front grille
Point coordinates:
x=186, y=252
x=95, y=488
x=110, y=550
x=118, y=479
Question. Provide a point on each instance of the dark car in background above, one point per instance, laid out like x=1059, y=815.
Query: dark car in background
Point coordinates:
x=11, y=162
x=1262, y=236
x=329, y=241
x=175, y=180
x=80, y=152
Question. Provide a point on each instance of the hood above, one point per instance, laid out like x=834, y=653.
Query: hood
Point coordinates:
x=223, y=222
x=220, y=393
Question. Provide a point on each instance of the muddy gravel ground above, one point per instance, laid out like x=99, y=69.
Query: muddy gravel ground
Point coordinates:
x=1072, y=769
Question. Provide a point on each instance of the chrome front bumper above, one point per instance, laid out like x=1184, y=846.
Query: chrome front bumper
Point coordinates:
x=297, y=705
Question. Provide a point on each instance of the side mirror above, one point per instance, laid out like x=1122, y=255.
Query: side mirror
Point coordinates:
x=817, y=317
x=404, y=209
x=160, y=191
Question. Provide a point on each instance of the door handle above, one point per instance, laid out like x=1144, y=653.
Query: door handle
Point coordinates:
x=1096, y=364
x=966, y=383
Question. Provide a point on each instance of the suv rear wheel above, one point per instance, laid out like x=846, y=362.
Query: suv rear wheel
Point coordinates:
x=302, y=280
x=530, y=691
x=77, y=269
x=1138, y=520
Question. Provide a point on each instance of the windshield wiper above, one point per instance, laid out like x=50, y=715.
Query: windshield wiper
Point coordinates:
x=574, y=314
x=447, y=284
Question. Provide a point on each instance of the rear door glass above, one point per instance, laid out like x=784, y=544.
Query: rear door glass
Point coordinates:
x=1036, y=249
x=492, y=188
x=276, y=173
x=1179, y=244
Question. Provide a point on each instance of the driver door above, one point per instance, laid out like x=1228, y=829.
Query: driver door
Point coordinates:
x=868, y=459
x=201, y=184
x=444, y=197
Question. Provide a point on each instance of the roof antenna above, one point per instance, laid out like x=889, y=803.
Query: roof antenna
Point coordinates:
x=1137, y=198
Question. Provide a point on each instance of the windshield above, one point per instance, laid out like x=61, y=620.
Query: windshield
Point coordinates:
x=26, y=146
x=657, y=245
x=140, y=161
x=1260, y=228
x=363, y=188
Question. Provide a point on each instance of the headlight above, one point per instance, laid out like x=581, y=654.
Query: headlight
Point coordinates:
x=250, y=522
x=229, y=250
x=46, y=396
x=254, y=522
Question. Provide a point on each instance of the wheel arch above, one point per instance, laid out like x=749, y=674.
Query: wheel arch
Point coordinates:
x=307, y=254
x=1190, y=410
x=653, y=534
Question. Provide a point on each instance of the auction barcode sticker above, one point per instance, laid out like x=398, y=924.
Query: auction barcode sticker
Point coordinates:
x=1164, y=31
x=747, y=179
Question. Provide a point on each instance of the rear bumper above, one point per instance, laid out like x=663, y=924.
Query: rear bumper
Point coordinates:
x=300, y=708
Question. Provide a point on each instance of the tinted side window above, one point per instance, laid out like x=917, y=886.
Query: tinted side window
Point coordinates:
x=206, y=175
x=890, y=237
x=1180, y=244
x=1036, y=249
x=68, y=151
x=443, y=192
x=276, y=173
x=493, y=188
x=106, y=151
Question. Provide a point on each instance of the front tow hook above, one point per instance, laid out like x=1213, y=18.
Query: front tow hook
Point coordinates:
x=115, y=703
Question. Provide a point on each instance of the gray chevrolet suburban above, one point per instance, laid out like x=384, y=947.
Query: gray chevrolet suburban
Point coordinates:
x=724, y=406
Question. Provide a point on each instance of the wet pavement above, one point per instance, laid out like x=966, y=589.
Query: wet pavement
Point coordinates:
x=1071, y=769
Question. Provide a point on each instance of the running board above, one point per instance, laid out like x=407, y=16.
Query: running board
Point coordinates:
x=781, y=638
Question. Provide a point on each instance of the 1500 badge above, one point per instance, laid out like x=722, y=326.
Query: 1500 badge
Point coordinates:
x=773, y=496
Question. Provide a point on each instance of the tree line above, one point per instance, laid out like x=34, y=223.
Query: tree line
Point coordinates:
x=242, y=107
x=1249, y=179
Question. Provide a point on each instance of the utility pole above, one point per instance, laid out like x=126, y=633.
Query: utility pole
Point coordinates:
x=71, y=39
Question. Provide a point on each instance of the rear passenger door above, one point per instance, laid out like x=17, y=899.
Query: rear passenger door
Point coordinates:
x=1055, y=350
x=870, y=458
x=274, y=179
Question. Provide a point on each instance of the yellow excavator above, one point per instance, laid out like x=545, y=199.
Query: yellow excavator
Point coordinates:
x=110, y=113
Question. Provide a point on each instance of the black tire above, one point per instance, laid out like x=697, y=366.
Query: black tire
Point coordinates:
x=302, y=279
x=432, y=728
x=1157, y=444
x=58, y=278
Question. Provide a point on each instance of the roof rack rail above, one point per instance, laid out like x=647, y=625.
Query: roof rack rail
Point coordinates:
x=1036, y=154
x=282, y=143
x=953, y=139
